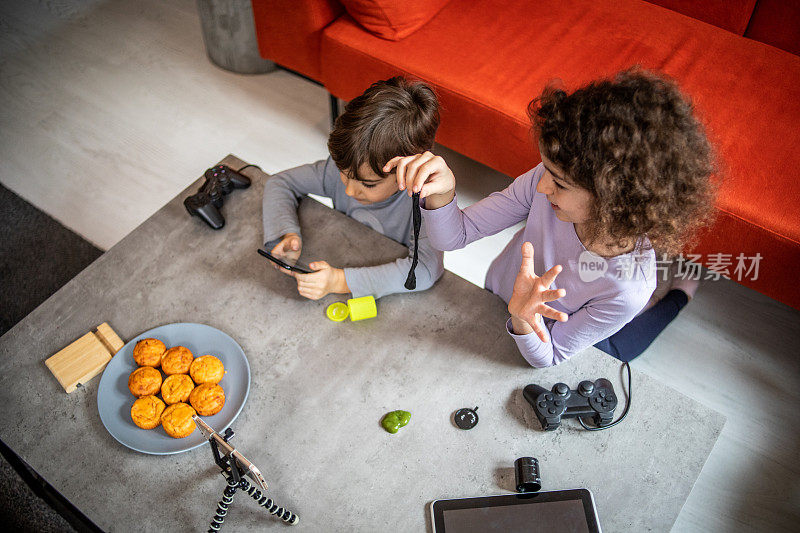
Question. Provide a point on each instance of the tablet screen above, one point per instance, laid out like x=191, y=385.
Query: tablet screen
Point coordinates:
x=547, y=512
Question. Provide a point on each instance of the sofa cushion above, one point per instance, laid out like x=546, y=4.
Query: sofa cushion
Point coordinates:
x=393, y=19
x=488, y=59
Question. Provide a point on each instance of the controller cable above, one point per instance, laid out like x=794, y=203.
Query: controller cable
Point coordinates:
x=624, y=412
x=248, y=166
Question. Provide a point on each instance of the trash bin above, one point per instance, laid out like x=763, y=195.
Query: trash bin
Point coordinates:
x=229, y=33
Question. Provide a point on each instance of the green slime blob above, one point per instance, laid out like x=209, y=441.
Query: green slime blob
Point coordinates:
x=394, y=420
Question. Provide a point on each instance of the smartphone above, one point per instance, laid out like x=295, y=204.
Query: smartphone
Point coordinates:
x=298, y=267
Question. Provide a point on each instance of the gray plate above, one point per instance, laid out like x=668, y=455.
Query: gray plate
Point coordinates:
x=114, y=400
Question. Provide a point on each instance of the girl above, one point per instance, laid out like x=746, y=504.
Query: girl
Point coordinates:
x=625, y=168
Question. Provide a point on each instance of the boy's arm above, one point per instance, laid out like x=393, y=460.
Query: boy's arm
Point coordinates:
x=451, y=228
x=586, y=327
x=282, y=193
x=390, y=278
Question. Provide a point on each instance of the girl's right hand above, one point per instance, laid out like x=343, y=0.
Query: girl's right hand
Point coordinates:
x=426, y=174
x=288, y=250
x=530, y=295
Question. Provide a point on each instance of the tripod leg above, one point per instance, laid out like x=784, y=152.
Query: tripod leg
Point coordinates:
x=267, y=503
x=222, y=506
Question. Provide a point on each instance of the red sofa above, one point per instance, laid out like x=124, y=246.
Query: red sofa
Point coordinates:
x=738, y=59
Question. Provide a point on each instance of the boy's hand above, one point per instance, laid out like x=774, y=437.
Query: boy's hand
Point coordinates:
x=324, y=280
x=426, y=174
x=288, y=250
x=527, y=302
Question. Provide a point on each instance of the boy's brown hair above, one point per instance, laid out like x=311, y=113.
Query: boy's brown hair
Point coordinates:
x=394, y=117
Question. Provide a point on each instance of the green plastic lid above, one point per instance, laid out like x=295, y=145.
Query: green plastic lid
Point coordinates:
x=337, y=311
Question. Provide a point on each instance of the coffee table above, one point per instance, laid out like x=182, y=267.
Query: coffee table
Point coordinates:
x=319, y=390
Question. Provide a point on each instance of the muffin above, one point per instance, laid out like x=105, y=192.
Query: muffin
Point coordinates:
x=176, y=388
x=207, y=399
x=146, y=412
x=144, y=381
x=207, y=369
x=148, y=352
x=177, y=420
x=176, y=360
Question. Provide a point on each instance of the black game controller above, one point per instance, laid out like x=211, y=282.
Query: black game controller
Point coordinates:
x=206, y=204
x=590, y=399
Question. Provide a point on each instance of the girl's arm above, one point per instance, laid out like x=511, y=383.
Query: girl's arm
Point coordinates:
x=282, y=193
x=390, y=278
x=449, y=227
x=568, y=335
x=585, y=327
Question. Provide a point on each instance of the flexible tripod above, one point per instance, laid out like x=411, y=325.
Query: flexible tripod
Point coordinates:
x=234, y=468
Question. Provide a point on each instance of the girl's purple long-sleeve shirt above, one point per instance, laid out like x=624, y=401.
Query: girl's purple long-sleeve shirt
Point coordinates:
x=603, y=294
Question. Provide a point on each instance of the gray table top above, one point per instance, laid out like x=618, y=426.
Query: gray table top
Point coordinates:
x=319, y=390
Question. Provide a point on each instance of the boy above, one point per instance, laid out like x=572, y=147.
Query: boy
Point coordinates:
x=391, y=117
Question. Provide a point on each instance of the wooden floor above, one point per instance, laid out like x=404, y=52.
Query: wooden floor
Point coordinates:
x=110, y=108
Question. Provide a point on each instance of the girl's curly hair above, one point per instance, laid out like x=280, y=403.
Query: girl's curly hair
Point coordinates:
x=633, y=142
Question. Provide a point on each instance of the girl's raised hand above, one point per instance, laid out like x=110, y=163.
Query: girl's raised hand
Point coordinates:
x=424, y=173
x=531, y=292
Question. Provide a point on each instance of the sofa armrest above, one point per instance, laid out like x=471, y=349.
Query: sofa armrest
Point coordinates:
x=289, y=31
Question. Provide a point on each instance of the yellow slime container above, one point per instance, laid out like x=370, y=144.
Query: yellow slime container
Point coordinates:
x=337, y=311
x=356, y=309
x=361, y=308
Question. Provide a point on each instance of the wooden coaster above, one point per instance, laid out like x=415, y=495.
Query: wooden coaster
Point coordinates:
x=85, y=358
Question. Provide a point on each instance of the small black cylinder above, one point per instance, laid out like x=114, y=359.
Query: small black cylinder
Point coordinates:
x=526, y=471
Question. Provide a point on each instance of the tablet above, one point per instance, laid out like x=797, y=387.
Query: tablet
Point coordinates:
x=560, y=511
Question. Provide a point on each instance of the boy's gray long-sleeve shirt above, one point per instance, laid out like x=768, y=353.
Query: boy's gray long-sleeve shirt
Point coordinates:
x=391, y=217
